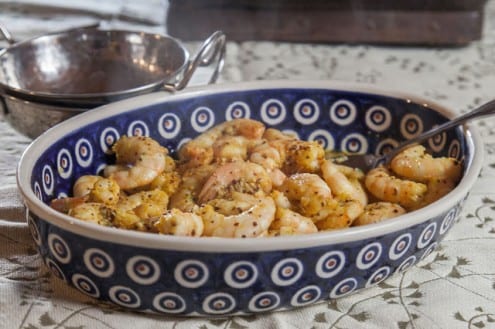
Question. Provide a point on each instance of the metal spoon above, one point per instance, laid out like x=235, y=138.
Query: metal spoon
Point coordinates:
x=369, y=161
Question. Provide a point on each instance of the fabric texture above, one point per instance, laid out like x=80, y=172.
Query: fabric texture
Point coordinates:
x=454, y=287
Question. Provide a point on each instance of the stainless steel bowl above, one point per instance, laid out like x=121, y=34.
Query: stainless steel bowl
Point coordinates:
x=49, y=78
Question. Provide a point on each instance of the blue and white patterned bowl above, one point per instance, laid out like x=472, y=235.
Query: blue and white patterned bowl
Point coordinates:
x=222, y=276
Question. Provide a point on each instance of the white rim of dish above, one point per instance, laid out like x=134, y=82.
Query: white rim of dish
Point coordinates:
x=214, y=244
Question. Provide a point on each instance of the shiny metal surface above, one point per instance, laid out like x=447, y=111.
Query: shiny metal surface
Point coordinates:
x=90, y=66
x=366, y=162
x=32, y=119
x=78, y=69
x=5, y=34
x=211, y=52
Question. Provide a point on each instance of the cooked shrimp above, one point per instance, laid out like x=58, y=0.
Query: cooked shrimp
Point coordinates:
x=84, y=185
x=199, y=151
x=176, y=222
x=345, y=187
x=80, y=191
x=377, y=211
x=277, y=176
x=168, y=181
x=272, y=134
x=271, y=154
x=92, y=212
x=339, y=214
x=302, y=156
x=145, y=204
x=266, y=155
x=231, y=148
x=414, y=164
x=89, y=188
x=349, y=172
x=246, y=177
x=437, y=188
x=287, y=221
x=281, y=200
x=308, y=193
x=105, y=191
x=139, y=210
x=271, y=159
x=66, y=204
x=139, y=160
x=385, y=187
x=282, y=151
x=234, y=205
x=186, y=195
x=251, y=222
x=127, y=219
x=312, y=197
x=239, y=179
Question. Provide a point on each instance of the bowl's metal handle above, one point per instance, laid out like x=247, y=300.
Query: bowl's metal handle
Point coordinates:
x=6, y=35
x=212, y=50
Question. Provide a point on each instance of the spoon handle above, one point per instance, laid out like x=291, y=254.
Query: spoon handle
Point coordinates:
x=483, y=110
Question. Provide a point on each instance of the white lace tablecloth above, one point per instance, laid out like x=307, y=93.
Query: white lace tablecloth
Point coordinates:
x=453, y=288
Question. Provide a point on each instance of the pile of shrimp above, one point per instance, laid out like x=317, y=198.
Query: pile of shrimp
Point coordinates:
x=241, y=179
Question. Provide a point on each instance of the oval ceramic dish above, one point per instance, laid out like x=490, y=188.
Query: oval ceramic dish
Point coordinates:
x=222, y=276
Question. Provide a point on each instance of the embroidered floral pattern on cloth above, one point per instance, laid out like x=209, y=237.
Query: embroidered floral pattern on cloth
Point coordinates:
x=454, y=287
